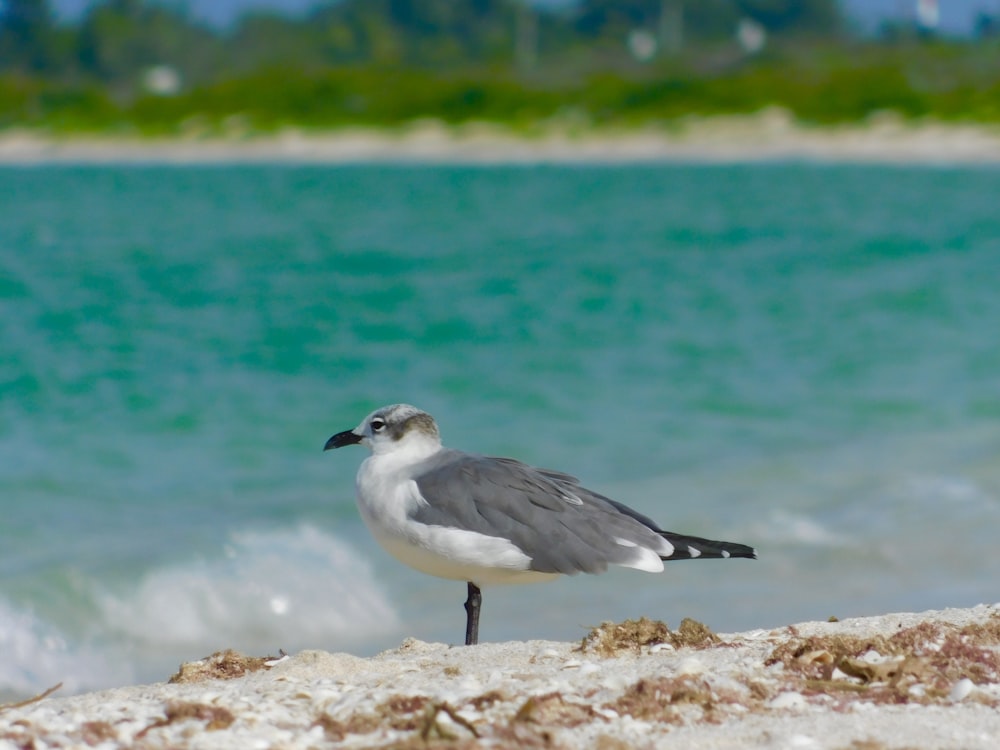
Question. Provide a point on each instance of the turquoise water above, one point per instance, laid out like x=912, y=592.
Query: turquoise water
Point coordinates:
x=804, y=358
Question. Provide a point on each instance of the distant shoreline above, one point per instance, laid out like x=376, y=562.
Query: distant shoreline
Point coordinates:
x=771, y=135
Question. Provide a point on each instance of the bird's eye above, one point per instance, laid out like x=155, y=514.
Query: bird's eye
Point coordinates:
x=378, y=424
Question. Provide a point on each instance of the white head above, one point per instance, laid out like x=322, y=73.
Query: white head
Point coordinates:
x=390, y=429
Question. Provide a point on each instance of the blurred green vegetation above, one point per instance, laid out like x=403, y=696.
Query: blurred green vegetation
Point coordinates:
x=387, y=63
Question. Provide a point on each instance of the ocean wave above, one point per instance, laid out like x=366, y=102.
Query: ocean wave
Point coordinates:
x=950, y=490
x=294, y=588
x=265, y=590
x=37, y=655
x=782, y=527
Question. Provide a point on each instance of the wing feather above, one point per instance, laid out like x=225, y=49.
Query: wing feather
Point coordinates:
x=562, y=526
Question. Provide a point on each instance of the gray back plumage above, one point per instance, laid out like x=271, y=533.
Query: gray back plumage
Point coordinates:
x=562, y=526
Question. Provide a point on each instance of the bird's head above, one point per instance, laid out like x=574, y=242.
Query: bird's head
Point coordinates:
x=390, y=429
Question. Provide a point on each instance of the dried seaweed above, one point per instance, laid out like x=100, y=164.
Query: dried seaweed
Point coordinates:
x=222, y=665
x=215, y=717
x=33, y=699
x=610, y=639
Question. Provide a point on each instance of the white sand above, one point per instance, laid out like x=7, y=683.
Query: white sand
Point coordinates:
x=552, y=694
x=768, y=135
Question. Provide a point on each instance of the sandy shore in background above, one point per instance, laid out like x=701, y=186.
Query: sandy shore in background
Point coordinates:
x=769, y=135
x=928, y=680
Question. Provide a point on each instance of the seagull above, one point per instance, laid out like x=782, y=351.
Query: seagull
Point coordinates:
x=486, y=520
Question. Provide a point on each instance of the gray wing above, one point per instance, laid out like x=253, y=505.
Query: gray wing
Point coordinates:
x=562, y=526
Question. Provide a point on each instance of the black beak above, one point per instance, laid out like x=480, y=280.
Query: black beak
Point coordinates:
x=347, y=437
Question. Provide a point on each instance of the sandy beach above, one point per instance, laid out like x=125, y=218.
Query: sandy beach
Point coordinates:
x=927, y=680
x=769, y=135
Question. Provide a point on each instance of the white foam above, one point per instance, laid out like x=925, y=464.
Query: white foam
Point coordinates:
x=294, y=588
x=951, y=490
x=265, y=590
x=784, y=527
x=36, y=656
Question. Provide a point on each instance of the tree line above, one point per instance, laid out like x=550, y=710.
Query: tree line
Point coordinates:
x=143, y=67
x=116, y=39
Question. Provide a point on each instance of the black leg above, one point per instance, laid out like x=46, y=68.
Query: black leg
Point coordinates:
x=472, y=610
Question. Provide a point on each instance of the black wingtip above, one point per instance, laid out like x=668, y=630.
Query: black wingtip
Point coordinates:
x=694, y=548
x=733, y=549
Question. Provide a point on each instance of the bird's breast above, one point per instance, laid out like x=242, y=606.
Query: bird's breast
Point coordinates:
x=385, y=496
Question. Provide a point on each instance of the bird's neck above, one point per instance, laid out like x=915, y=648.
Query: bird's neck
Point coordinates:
x=411, y=448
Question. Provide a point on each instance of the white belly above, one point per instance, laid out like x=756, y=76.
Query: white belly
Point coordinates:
x=464, y=556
